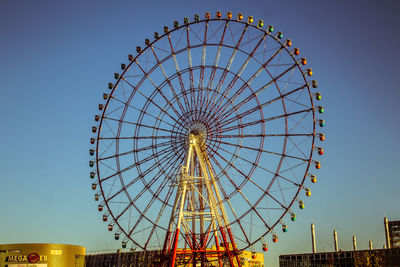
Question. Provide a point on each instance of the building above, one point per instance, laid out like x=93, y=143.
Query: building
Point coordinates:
x=126, y=259
x=41, y=255
x=151, y=258
x=394, y=234
x=389, y=256
x=375, y=257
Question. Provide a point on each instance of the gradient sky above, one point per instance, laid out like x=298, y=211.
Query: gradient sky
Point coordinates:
x=56, y=58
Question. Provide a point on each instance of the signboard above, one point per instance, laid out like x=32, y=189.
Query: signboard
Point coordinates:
x=31, y=260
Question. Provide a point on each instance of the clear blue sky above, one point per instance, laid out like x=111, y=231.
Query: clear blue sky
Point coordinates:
x=56, y=58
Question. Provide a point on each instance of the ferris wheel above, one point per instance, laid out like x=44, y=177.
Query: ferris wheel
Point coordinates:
x=205, y=141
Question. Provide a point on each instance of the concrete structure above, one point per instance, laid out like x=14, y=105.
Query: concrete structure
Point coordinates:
x=385, y=222
x=335, y=242
x=354, y=243
x=314, y=246
x=41, y=255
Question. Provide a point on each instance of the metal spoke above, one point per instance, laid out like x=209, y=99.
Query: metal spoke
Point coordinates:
x=179, y=74
x=157, y=89
x=240, y=71
x=228, y=66
x=262, y=105
x=215, y=65
x=168, y=81
x=244, y=125
x=254, y=94
x=152, y=101
x=265, y=151
x=136, y=179
x=139, y=125
x=151, y=157
x=144, y=112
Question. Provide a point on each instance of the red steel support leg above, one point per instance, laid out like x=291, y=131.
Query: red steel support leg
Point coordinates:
x=202, y=245
x=175, y=248
x=165, y=248
x=166, y=241
x=194, y=247
x=234, y=246
x=218, y=248
x=226, y=245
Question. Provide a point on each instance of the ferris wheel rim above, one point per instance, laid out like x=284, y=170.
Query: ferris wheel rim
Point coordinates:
x=188, y=69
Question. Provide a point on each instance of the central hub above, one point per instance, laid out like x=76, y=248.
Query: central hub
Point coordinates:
x=199, y=130
x=195, y=132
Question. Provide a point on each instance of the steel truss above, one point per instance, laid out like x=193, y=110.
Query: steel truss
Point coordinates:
x=198, y=205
